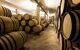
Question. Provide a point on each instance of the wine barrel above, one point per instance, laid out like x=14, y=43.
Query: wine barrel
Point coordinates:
x=58, y=18
x=1, y=11
x=2, y=45
x=63, y=6
x=23, y=23
x=4, y=11
x=6, y=42
x=33, y=22
x=69, y=45
x=58, y=12
x=10, y=13
x=18, y=39
x=24, y=35
x=15, y=24
x=1, y=27
x=26, y=16
x=74, y=1
x=37, y=28
x=19, y=17
x=31, y=17
x=62, y=42
x=27, y=29
x=7, y=12
x=11, y=41
x=71, y=26
x=13, y=16
x=7, y=25
x=59, y=23
x=74, y=4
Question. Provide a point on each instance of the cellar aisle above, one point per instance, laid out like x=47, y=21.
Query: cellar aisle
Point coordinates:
x=47, y=40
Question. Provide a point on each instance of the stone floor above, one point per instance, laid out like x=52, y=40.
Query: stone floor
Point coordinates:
x=47, y=40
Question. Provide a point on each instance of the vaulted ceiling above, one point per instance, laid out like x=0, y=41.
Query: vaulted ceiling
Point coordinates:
x=31, y=6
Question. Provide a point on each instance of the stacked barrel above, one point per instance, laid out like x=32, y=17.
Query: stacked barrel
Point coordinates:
x=26, y=22
x=13, y=40
x=8, y=24
x=29, y=23
x=5, y=11
x=10, y=36
x=14, y=29
x=69, y=24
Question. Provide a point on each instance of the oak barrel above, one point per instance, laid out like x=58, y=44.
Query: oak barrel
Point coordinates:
x=7, y=43
x=63, y=6
x=1, y=11
x=74, y=2
x=37, y=28
x=71, y=26
x=8, y=25
x=19, y=17
x=15, y=24
x=5, y=12
x=26, y=16
x=62, y=42
x=27, y=28
x=33, y=22
x=74, y=5
x=13, y=40
x=58, y=17
x=23, y=23
x=19, y=37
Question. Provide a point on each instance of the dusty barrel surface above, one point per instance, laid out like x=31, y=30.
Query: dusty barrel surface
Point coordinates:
x=27, y=28
x=4, y=43
x=23, y=23
x=1, y=11
x=33, y=22
x=27, y=17
x=19, y=17
x=37, y=28
x=13, y=40
x=15, y=24
x=5, y=12
x=74, y=4
x=69, y=5
x=63, y=45
x=19, y=39
x=63, y=6
x=7, y=25
x=71, y=26
x=58, y=18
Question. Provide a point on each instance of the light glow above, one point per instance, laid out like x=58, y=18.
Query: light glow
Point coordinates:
x=28, y=5
x=52, y=3
x=42, y=13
